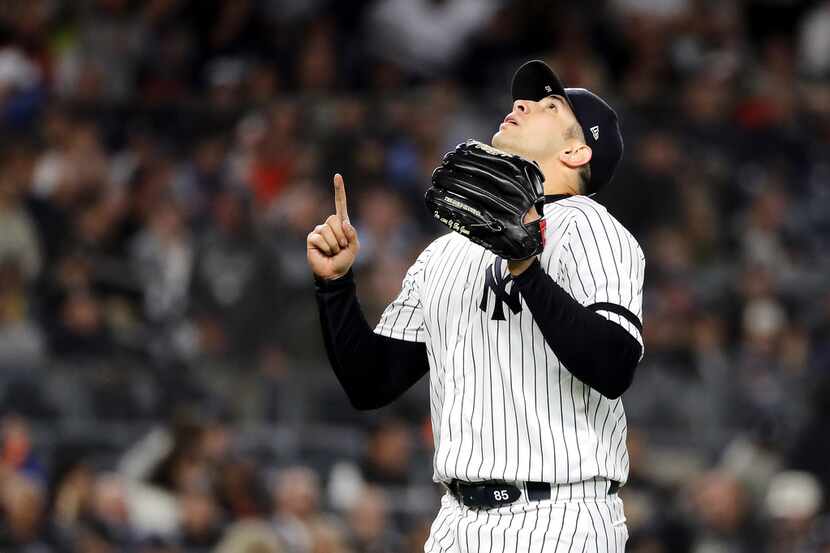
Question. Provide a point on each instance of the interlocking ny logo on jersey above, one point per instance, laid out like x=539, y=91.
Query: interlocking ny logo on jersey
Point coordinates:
x=495, y=281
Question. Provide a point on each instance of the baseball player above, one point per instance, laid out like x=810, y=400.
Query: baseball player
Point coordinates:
x=527, y=319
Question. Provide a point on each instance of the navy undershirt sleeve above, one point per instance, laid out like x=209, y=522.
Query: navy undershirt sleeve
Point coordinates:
x=374, y=370
x=599, y=352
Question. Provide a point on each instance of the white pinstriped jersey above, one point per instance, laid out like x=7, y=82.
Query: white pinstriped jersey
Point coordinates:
x=503, y=407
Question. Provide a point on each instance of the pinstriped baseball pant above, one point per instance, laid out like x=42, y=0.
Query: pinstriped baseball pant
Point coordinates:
x=578, y=524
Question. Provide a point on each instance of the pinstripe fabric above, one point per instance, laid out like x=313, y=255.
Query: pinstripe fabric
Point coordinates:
x=586, y=525
x=502, y=405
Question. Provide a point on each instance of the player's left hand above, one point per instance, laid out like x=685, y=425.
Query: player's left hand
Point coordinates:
x=487, y=195
x=518, y=267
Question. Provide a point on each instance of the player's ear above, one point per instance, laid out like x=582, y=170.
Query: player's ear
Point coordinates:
x=576, y=155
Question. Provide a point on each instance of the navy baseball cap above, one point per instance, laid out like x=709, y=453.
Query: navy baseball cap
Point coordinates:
x=535, y=80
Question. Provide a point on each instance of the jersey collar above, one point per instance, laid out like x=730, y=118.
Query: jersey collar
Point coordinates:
x=550, y=198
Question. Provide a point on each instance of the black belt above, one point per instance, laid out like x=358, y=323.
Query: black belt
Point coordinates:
x=486, y=495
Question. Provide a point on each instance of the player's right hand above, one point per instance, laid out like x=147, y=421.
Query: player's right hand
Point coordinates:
x=332, y=247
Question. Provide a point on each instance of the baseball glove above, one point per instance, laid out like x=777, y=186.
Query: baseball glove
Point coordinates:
x=484, y=194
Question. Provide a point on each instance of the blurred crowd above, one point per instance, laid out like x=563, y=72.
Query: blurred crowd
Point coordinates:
x=163, y=386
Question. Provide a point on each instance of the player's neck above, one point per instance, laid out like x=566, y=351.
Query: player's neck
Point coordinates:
x=557, y=180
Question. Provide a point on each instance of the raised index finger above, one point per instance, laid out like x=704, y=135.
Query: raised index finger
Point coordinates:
x=340, y=198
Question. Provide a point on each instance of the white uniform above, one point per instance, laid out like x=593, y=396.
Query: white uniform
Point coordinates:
x=503, y=407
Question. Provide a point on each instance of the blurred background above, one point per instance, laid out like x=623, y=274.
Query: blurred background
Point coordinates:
x=163, y=386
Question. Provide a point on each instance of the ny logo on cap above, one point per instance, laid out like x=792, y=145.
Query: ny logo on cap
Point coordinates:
x=548, y=88
x=595, y=132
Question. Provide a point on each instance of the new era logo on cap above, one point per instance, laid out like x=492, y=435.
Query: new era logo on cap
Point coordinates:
x=548, y=88
x=595, y=132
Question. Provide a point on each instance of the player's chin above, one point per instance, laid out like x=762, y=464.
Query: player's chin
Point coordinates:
x=501, y=141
